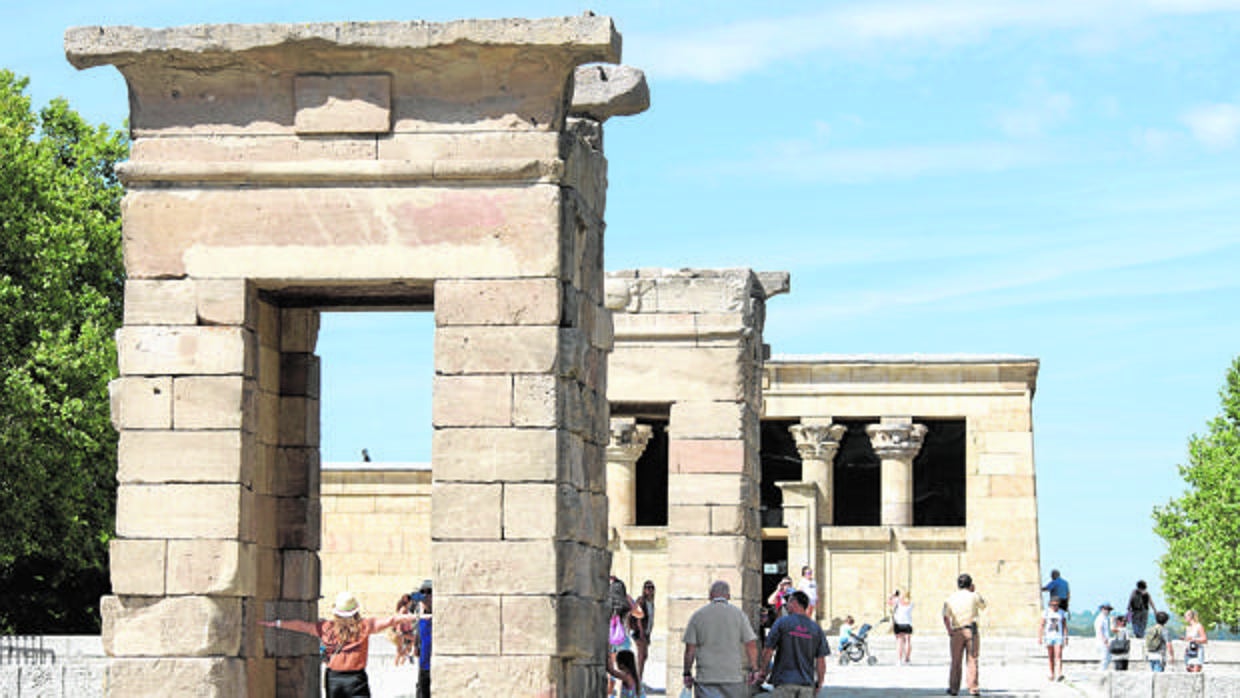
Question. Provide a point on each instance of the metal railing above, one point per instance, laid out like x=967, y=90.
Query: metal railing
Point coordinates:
x=25, y=649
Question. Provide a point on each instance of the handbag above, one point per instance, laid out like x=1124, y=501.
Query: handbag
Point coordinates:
x=617, y=635
x=1119, y=645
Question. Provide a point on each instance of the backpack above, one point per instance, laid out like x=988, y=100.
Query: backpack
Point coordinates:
x=1154, y=641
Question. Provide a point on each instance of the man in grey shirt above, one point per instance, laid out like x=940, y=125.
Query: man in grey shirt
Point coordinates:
x=721, y=640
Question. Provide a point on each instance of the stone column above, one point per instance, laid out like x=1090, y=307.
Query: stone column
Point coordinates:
x=628, y=442
x=818, y=440
x=897, y=441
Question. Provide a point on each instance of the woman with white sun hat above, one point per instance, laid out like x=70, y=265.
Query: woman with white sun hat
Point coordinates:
x=346, y=641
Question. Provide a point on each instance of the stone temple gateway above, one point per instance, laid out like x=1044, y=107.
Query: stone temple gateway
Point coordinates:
x=278, y=170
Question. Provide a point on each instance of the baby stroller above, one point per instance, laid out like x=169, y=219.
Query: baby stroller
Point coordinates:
x=856, y=648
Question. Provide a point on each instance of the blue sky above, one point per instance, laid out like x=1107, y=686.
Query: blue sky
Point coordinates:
x=1054, y=179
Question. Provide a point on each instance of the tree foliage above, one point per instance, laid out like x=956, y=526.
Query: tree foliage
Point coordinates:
x=61, y=281
x=1201, y=570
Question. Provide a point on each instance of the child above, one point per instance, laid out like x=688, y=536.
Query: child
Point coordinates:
x=1158, y=644
x=624, y=669
x=846, y=631
x=402, y=634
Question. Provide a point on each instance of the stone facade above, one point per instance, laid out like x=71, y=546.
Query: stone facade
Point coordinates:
x=859, y=565
x=277, y=170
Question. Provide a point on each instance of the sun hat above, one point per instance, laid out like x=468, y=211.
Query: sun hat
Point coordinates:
x=346, y=604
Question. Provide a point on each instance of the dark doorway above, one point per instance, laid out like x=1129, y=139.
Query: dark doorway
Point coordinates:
x=938, y=474
x=857, y=498
x=780, y=462
x=651, y=496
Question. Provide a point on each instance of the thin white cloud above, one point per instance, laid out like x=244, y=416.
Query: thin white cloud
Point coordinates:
x=1036, y=116
x=1217, y=126
x=725, y=52
x=804, y=162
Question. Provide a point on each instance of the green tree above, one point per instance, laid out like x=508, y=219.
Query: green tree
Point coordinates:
x=61, y=282
x=1201, y=570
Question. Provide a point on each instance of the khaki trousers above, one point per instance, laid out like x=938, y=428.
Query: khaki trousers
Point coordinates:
x=964, y=644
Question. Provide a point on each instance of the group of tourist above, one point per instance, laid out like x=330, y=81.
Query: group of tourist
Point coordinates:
x=1114, y=633
x=344, y=640
x=629, y=626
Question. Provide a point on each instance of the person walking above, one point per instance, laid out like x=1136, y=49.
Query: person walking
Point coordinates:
x=960, y=615
x=1195, y=643
x=347, y=638
x=720, y=640
x=1139, y=606
x=1053, y=634
x=1058, y=588
x=902, y=624
x=1102, y=635
x=800, y=649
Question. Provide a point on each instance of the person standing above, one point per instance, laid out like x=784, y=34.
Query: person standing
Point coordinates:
x=1058, y=588
x=1139, y=606
x=1102, y=635
x=422, y=645
x=800, y=649
x=720, y=640
x=642, y=625
x=960, y=615
x=779, y=597
x=347, y=639
x=1053, y=634
x=902, y=624
x=1121, y=643
x=810, y=587
x=1158, y=648
x=1195, y=643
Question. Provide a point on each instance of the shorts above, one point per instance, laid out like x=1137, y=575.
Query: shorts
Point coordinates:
x=1053, y=640
x=901, y=629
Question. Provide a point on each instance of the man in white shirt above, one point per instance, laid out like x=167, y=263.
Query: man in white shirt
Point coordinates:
x=810, y=587
x=1102, y=633
x=960, y=613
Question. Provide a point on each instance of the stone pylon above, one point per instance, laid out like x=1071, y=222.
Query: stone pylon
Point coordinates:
x=281, y=170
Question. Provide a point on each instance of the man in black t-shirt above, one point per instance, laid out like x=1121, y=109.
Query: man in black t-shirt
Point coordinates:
x=1139, y=606
x=800, y=650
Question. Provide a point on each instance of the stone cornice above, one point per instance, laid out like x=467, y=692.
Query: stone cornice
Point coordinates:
x=318, y=172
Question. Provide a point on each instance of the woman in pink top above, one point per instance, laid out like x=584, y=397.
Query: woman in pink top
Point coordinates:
x=346, y=637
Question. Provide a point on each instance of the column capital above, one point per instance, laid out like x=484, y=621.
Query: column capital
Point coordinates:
x=898, y=439
x=817, y=441
x=628, y=439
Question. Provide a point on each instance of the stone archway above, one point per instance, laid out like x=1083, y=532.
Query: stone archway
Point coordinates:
x=278, y=169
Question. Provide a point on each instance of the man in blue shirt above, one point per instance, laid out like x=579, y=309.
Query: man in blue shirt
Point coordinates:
x=800, y=666
x=1057, y=588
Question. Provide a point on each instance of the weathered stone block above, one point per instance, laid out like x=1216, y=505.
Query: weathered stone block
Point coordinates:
x=692, y=419
x=299, y=374
x=299, y=578
x=299, y=330
x=472, y=401
x=706, y=456
x=486, y=675
x=226, y=302
x=299, y=421
x=497, y=302
x=491, y=455
x=141, y=403
x=342, y=103
x=157, y=350
x=668, y=374
x=470, y=625
x=467, y=511
x=187, y=626
x=210, y=677
x=708, y=488
x=530, y=624
x=535, y=400
x=496, y=349
x=496, y=567
x=160, y=302
x=212, y=567
x=213, y=402
x=179, y=511
x=137, y=566
x=184, y=456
